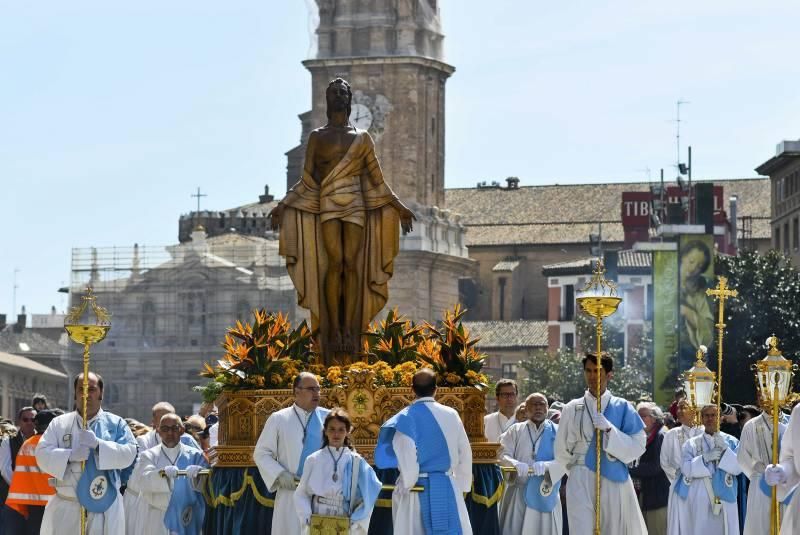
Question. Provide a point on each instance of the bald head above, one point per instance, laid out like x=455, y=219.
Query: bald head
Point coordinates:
x=170, y=429
x=536, y=407
x=160, y=409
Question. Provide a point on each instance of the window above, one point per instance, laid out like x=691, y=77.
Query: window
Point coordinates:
x=502, y=283
x=796, y=234
x=786, y=237
x=569, y=303
x=148, y=319
x=569, y=340
x=510, y=370
x=777, y=238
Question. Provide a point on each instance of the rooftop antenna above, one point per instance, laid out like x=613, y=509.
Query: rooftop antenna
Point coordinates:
x=678, y=105
x=14, y=293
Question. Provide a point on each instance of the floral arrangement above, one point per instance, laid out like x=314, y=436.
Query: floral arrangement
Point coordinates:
x=269, y=354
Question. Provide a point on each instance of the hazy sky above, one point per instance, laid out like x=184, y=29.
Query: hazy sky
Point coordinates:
x=112, y=113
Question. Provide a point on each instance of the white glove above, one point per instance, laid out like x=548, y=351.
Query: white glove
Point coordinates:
x=775, y=474
x=171, y=471
x=600, y=422
x=87, y=438
x=78, y=454
x=400, y=488
x=712, y=456
x=193, y=470
x=522, y=470
x=539, y=468
x=719, y=442
x=286, y=481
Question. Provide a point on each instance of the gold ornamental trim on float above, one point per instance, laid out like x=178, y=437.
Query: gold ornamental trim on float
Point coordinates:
x=243, y=413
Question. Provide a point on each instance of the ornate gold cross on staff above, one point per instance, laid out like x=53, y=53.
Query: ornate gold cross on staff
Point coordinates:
x=722, y=293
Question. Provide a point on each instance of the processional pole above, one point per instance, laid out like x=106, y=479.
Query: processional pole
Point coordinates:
x=722, y=293
x=774, y=379
x=599, y=299
x=86, y=334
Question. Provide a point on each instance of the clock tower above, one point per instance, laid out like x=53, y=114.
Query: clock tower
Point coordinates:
x=390, y=51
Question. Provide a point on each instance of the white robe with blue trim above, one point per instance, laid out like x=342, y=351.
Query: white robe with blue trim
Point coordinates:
x=696, y=512
x=406, y=510
x=671, y=462
x=790, y=461
x=515, y=515
x=620, y=513
x=278, y=448
x=154, y=490
x=62, y=515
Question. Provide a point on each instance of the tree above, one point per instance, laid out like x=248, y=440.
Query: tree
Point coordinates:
x=559, y=374
x=769, y=295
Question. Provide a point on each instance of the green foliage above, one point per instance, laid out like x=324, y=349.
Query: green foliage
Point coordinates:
x=452, y=352
x=559, y=375
x=394, y=340
x=769, y=295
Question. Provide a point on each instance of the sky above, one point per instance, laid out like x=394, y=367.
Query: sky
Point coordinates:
x=112, y=114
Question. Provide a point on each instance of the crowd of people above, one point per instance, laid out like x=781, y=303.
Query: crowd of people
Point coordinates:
x=661, y=471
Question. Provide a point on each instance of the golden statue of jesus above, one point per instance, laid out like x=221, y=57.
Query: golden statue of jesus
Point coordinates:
x=340, y=230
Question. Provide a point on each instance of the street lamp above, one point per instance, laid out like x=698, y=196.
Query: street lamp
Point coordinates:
x=698, y=382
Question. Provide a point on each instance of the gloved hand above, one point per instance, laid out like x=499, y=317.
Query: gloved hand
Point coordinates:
x=719, y=442
x=81, y=453
x=286, y=481
x=712, y=456
x=87, y=438
x=171, y=471
x=400, y=488
x=600, y=422
x=522, y=470
x=539, y=468
x=193, y=470
x=775, y=474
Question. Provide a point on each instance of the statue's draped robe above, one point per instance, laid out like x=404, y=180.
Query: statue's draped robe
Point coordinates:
x=355, y=192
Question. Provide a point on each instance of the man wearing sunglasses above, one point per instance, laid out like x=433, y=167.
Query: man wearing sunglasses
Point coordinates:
x=11, y=445
x=289, y=436
x=170, y=500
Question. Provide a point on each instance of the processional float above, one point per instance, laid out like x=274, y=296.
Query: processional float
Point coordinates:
x=599, y=300
x=87, y=333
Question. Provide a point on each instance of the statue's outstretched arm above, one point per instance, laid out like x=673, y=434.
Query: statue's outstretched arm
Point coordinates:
x=276, y=214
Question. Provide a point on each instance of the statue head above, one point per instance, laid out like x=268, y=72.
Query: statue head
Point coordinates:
x=338, y=96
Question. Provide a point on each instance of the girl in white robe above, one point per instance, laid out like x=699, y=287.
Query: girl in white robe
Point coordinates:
x=325, y=485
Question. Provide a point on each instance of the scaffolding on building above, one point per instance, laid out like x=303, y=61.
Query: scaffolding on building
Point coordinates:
x=170, y=309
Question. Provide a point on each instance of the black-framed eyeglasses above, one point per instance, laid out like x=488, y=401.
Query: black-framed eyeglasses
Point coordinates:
x=168, y=428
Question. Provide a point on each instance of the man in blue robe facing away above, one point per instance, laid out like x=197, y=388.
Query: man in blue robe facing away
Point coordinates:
x=427, y=443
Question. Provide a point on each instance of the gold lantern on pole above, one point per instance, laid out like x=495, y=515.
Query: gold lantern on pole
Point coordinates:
x=599, y=300
x=86, y=332
x=698, y=383
x=774, y=376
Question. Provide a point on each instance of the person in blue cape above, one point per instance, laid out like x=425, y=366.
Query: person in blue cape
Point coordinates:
x=427, y=443
x=708, y=488
x=149, y=440
x=336, y=480
x=531, y=503
x=289, y=436
x=107, y=447
x=169, y=504
x=623, y=441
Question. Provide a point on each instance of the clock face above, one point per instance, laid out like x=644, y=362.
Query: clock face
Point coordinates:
x=360, y=116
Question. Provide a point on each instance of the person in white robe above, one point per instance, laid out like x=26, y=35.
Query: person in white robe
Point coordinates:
x=289, y=436
x=708, y=489
x=155, y=491
x=672, y=457
x=496, y=423
x=336, y=480
x=754, y=454
x=624, y=441
x=427, y=443
x=65, y=444
x=786, y=475
x=145, y=442
x=529, y=448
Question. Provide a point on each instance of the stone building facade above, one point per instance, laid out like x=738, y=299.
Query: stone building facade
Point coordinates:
x=783, y=170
